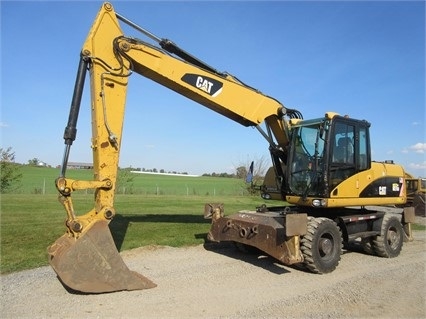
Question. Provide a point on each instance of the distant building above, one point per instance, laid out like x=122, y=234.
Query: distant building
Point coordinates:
x=79, y=165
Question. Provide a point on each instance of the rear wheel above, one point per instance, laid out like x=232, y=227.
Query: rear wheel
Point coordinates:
x=389, y=243
x=322, y=245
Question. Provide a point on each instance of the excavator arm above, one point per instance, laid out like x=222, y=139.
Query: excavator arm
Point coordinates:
x=85, y=257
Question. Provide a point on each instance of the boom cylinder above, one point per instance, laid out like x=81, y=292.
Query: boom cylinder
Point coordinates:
x=71, y=128
x=70, y=132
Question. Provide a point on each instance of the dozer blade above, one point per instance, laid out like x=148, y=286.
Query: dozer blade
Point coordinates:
x=92, y=264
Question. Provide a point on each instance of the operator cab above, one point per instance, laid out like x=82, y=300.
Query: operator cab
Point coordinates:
x=324, y=152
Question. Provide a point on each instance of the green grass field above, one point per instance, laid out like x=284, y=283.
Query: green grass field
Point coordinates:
x=41, y=180
x=162, y=210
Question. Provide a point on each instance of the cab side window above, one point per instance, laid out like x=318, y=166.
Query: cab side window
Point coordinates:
x=343, y=153
x=363, y=150
x=343, y=148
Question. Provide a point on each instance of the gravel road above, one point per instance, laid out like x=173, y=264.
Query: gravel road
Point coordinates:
x=211, y=281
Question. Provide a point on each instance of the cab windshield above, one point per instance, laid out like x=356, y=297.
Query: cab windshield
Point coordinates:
x=306, y=171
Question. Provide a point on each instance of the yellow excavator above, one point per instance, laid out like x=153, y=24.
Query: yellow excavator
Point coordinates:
x=416, y=194
x=330, y=191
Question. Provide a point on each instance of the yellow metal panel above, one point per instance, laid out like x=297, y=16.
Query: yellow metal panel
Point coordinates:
x=348, y=192
x=242, y=104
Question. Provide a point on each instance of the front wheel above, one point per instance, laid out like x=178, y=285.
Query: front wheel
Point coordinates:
x=389, y=243
x=322, y=245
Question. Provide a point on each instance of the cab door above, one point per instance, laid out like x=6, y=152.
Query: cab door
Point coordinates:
x=349, y=149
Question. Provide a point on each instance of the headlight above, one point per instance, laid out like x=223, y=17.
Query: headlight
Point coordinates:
x=319, y=202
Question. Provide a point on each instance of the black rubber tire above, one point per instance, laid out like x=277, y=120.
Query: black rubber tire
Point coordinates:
x=322, y=245
x=367, y=246
x=389, y=243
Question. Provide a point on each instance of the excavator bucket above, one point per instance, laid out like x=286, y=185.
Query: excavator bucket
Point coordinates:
x=92, y=264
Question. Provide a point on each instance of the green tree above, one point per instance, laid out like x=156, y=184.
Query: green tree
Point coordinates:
x=34, y=161
x=125, y=181
x=10, y=171
x=241, y=172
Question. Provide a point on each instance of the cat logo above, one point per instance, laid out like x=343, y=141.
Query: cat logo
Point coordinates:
x=204, y=83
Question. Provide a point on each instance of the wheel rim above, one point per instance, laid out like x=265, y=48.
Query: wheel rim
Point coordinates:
x=325, y=247
x=393, y=238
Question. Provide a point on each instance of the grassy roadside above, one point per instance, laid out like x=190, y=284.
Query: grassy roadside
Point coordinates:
x=30, y=223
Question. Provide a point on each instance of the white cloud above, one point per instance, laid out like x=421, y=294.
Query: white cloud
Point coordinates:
x=3, y=124
x=415, y=123
x=419, y=147
x=418, y=165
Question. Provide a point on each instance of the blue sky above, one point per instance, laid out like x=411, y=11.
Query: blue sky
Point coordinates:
x=365, y=59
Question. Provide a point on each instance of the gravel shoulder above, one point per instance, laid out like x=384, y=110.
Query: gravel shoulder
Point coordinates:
x=217, y=281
